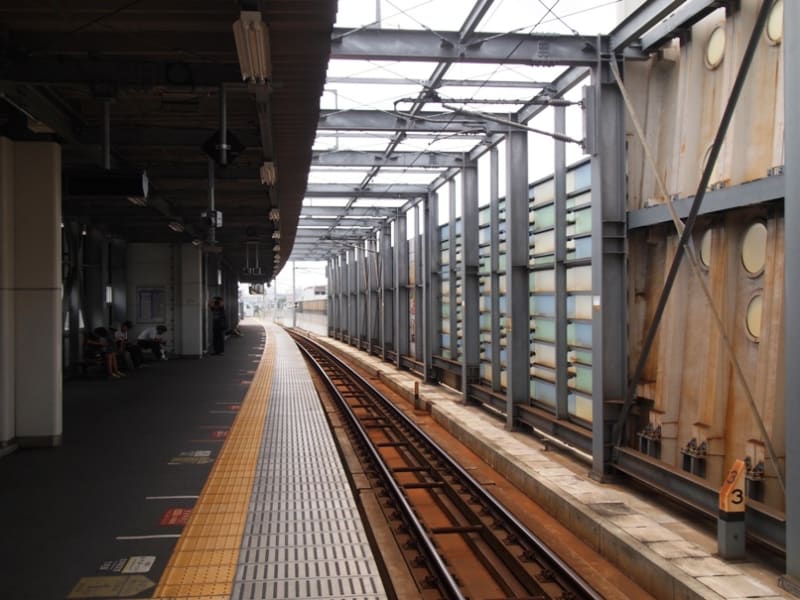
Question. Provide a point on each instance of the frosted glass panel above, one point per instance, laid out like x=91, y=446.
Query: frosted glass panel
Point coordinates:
x=579, y=279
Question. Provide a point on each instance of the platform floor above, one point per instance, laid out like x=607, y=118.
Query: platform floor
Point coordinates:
x=217, y=478
x=661, y=549
x=212, y=478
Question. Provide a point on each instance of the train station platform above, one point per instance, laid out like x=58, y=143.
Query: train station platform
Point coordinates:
x=665, y=551
x=212, y=478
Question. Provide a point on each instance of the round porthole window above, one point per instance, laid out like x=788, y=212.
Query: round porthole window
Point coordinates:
x=705, y=248
x=754, y=248
x=715, y=47
x=753, y=317
x=774, y=29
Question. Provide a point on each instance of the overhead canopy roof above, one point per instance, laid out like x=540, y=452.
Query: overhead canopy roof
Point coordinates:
x=416, y=89
x=158, y=68
x=406, y=97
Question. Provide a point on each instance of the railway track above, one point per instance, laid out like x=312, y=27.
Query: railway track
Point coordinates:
x=457, y=540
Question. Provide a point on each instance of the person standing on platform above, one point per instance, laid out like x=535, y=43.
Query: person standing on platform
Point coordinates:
x=219, y=324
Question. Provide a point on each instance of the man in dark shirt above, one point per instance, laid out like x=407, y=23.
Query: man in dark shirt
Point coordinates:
x=219, y=324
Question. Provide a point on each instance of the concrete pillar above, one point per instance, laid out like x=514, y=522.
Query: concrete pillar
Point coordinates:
x=7, y=307
x=189, y=340
x=36, y=292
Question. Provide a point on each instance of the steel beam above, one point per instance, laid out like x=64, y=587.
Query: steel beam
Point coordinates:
x=387, y=296
x=35, y=105
x=359, y=276
x=470, y=285
x=560, y=182
x=494, y=258
x=377, y=120
x=353, y=211
x=759, y=191
x=686, y=15
x=343, y=190
x=418, y=277
x=518, y=296
x=560, y=86
x=452, y=271
x=400, y=290
x=492, y=83
x=639, y=21
x=140, y=74
x=372, y=291
x=791, y=73
x=352, y=158
x=345, y=221
x=431, y=282
x=540, y=49
x=609, y=316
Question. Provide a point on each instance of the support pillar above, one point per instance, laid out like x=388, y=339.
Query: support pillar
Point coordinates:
x=452, y=271
x=31, y=284
x=400, y=289
x=372, y=301
x=419, y=276
x=431, y=283
x=606, y=123
x=518, y=298
x=494, y=262
x=387, y=297
x=470, y=285
x=791, y=74
x=7, y=295
x=191, y=302
x=560, y=181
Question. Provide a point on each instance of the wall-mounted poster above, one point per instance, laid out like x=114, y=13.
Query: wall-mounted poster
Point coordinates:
x=151, y=305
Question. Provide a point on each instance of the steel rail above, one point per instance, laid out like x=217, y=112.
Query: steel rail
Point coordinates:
x=564, y=574
x=447, y=584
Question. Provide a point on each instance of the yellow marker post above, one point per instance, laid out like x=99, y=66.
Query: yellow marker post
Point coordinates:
x=731, y=524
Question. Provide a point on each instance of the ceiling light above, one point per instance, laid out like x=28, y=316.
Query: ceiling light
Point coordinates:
x=274, y=214
x=276, y=248
x=276, y=235
x=268, y=174
x=252, y=45
x=197, y=242
x=176, y=226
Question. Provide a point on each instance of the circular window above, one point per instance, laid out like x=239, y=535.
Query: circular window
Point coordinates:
x=754, y=248
x=774, y=27
x=753, y=317
x=705, y=248
x=715, y=48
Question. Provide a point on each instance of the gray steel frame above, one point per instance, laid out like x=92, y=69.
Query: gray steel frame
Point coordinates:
x=605, y=140
x=609, y=278
x=518, y=319
x=791, y=70
x=470, y=286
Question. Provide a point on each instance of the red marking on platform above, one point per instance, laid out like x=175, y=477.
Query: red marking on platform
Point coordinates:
x=219, y=434
x=176, y=516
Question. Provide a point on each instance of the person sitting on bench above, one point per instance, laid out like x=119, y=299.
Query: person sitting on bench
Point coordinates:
x=152, y=338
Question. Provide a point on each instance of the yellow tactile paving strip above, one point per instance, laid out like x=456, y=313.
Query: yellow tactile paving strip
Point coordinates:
x=203, y=564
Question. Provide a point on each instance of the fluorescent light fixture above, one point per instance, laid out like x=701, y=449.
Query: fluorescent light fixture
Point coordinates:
x=275, y=214
x=252, y=45
x=83, y=230
x=109, y=294
x=176, y=226
x=276, y=235
x=268, y=174
x=197, y=242
x=276, y=248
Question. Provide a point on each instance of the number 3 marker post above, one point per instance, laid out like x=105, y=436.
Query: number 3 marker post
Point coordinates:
x=730, y=524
